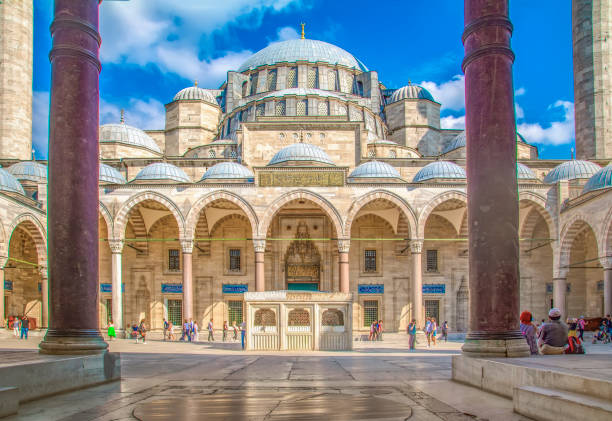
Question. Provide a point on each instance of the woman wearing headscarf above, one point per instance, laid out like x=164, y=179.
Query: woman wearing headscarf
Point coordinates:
x=529, y=331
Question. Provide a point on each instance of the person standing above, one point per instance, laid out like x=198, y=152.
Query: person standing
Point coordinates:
x=16, y=326
x=191, y=330
x=211, y=331
x=25, y=327
x=225, y=329
x=427, y=329
x=411, y=330
x=581, y=325
x=243, y=333
x=379, y=331
x=235, y=328
x=196, y=331
x=142, y=330
x=170, y=332
x=165, y=328
x=111, y=331
x=434, y=330
x=445, y=328
x=529, y=331
x=372, y=331
x=184, y=330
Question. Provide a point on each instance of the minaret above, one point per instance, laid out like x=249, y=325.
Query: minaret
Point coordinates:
x=16, y=45
x=592, y=28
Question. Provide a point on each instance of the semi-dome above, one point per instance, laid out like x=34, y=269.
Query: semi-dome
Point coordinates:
x=523, y=172
x=410, y=92
x=375, y=169
x=459, y=142
x=128, y=135
x=301, y=152
x=196, y=93
x=602, y=179
x=228, y=170
x=309, y=50
x=30, y=171
x=9, y=184
x=439, y=169
x=571, y=170
x=110, y=175
x=162, y=171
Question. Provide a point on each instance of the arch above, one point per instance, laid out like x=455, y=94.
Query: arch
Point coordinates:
x=3, y=244
x=123, y=215
x=227, y=218
x=36, y=230
x=570, y=230
x=107, y=218
x=329, y=209
x=196, y=209
x=540, y=206
x=429, y=208
x=358, y=204
x=605, y=240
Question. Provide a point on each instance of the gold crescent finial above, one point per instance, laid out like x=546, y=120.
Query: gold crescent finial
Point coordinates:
x=195, y=83
x=303, y=25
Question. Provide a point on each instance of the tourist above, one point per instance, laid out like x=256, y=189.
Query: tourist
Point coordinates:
x=434, y=330
x=16, y=326
x=553, y=335
x=529, y=331
x=211, y=331
x=445, y=329
x=602, y=334
x=243, y=333
x=581, y=324
x=165, y=328
x=191, y=330
x=196, y=331
x=411, y=330
x=379, y=331
x=133, y=331
x=608, y=321
x=235, y=328
x=225, y=329
x=573, y=341
x=372, y=331
x=170, y=332
x=142, y=330
x=111, y=331
x=25, y=327
x=427, y=330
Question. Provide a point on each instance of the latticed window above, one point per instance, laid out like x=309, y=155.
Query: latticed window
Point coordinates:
x=109, y=311
x=264, y=317
x=432, y=260
x=292, y=79
x=245, y=88
x=234, y=312
x=271, y=80
x=349, y=81
x=392, y=154
x=342, y=109
x=299, y=317
x=313, y=77
x=358, y=88
x=234, y=260
x=174, y=261
x=432, y=309
x=332, y=80
x=254, y=79
x=302, y=107
x=233, y=153
x=260, y=110
x=370, y=312
x=211, y=153
x=369, y=260
x=323, y=108
x=371, y=153
x=175, y=312
x=280, y=108
x=332, y=317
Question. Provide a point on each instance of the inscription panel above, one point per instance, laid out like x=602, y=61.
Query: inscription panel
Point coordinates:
x=301, y=179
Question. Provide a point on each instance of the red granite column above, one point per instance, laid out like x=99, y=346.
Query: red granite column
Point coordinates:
x=73, y=181
x=492, y=187
x=343, y=265
x=259, y=246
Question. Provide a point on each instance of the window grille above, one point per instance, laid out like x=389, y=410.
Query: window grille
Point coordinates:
x=109, y=311
x=234, y=312
x=369, y=260
x=370, y=312
x=392, y=154
x=332, y=317
x=432, y=260
x=264, y=317
x=323, y=108
x=298, y=317
x=254, y=78
x=292, y=80
x=313, y=77
x=175, y=312
x=280, y=108
x=302, y=107
x=371, y=153
x=233, y=154
x=349, y=82
x=234, y=260
x=342, y=109
x=174, y=259
x=211, y=153
x=332, y=80
x=272, y=80
x=260, y=110
x=432, y=309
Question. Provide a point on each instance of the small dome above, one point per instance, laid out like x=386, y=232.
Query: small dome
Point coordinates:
x=304, y=152
x=29, y=170
x=410, y=92
x=571, y=170
x=162, y=171
x=439, y=169
x=9, y=184
x=228, y=170
x=523, y=172
x=196, y=93
x=602, y=179
x=294, y=50
x=110, y=175
x=459, y=142
x=374, y=169
x=128, y=135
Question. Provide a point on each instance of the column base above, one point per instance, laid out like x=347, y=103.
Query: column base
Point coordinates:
x=73, y=342
x=510, y=344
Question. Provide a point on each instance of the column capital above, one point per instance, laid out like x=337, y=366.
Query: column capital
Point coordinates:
x=43, y=271
x=116, y=246
x=3, y=262
x=344, y=245
x=186, y=245
x=606, y=262
x=259, y=244
x=416, y=246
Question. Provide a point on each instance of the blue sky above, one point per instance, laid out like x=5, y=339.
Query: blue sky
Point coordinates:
x=153, y=48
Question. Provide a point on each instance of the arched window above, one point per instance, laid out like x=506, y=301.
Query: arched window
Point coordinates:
x=298, y=317
x=359, y=88
x=280, y=108
x=254, y=79
x=271, y=80
x=292, y=79
x=323, y=107
x=332, y=317
x=260, y=110
x=264, y=317
x=245, y=89
x=302, y=107
x=349, y=81
x=332, y=80
x=313, y=77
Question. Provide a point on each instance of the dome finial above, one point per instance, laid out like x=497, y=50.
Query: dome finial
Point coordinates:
x=195, y=83
x=122, y=119
x=409, y=82
x=303, y=25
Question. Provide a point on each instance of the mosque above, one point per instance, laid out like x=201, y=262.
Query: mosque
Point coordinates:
x=303, y=171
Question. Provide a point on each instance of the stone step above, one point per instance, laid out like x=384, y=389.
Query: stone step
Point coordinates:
x=9, y=401
x=545, y=404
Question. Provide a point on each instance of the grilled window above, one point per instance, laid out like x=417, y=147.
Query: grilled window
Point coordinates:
x=254, y=79
x=280, y=108
x=432, y=260
x=234, y=260
x=175, y=312
x=369, y=260
x=332, y=80
x=245, y=88
x=370, y=312
x=302, y=107
x=313, y=77
x=323, y=108
x=174, y=262
x=432, y=309
x=260, y=110
x=392, y=154
x=271, y=80
x=234, y=312
x=292, y=80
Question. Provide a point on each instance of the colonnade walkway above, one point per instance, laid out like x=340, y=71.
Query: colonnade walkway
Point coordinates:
x=215, y=381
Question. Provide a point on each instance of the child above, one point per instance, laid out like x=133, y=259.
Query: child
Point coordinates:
x=111, y=331
x=573, y=340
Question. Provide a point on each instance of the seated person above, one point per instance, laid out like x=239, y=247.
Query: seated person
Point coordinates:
x=553, y=335
x=573, y=340
x=602, y=334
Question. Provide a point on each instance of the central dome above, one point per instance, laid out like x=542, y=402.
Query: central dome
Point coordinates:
x=295, y=50
x=301, y=154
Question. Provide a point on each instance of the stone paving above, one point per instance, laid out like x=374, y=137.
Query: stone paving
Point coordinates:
x=176, y=381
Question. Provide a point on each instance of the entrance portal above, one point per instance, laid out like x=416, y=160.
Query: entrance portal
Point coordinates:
x=302, y=262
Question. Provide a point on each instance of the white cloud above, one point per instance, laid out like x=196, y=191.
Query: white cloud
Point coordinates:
x=520, y=113
x=286, y=33
x=146, y=115
x=455, y=123
x=40, y=123
x=557, y=132
x=520, y=91
x=450, y=94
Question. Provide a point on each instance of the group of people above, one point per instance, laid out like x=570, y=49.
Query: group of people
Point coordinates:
x=604, y=332
x=430, y=329
x=376, y=331
x=20, y=326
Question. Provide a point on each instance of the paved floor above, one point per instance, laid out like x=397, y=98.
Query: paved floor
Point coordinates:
x=186, y=381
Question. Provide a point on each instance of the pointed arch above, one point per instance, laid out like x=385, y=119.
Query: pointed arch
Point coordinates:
x=107, y=218
x=539, y=203
x=32, y=225
x=605, y=236
x=570, y=230
x=320, y=201
x=433, y=203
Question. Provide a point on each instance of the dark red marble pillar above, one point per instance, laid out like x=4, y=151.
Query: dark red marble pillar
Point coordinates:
x=492, y=187
x=73, y=181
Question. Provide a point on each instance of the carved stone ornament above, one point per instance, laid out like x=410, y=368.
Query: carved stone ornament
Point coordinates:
x=344, y=245
x=416, y=246
x=259, y=245
x=186, y=245
x=116, y=246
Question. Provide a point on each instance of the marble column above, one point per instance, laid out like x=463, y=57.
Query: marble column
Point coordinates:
x=491, y=182
x=73, y=181
x=559, y=295
x=416, y=248
x=259, y=245
x=3, y=261
x=187, y=247
x=343, y=265
x=116, y=247
x=44, y=289
x=607, y=268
